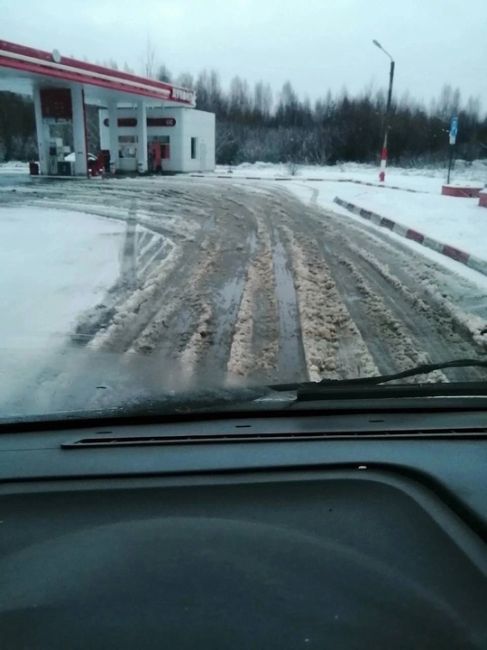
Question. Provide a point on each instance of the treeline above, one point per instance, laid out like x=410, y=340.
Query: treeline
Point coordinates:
x=254, y=124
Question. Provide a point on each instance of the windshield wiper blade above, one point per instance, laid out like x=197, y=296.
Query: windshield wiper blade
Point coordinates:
x=308, y=390
x=422, y=369
x=317, y=392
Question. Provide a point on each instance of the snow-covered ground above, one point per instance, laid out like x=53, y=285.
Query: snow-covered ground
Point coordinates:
x=233, y=281
x=456, y=221
x=54, y=265
x=420, y=179
x=459, y=222
x=14, y=167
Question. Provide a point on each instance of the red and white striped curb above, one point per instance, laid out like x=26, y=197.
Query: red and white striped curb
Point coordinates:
x=307, y=180
x=450, y=251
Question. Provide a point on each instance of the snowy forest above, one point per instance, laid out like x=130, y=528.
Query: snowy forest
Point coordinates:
x=256, y=124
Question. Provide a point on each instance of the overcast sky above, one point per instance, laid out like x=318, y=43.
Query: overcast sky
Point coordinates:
x=316, y=44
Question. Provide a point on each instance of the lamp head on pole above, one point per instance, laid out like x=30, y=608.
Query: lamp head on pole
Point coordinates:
x=377, y=44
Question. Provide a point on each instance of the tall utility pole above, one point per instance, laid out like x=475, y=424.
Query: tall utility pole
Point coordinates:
x=383, y=155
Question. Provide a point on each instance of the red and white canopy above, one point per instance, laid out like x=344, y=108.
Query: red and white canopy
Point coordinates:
x=23, y=68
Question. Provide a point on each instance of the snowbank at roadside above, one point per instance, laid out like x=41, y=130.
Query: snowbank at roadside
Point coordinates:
x=428, y=179
x=55, y=264
x=14, y=167
x=455, y=221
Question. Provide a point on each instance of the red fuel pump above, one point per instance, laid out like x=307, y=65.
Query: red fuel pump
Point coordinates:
x=155, y=157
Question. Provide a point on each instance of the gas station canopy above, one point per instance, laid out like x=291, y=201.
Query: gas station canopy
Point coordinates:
x=145, y=124
x=22, y=69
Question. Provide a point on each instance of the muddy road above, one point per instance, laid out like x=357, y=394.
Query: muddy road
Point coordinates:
x=228, y=281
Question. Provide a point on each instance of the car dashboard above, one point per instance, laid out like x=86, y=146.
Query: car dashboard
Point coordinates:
x=349, y=530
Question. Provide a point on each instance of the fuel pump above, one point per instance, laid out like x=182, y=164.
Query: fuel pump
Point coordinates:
x=56, y=154
x=155, y=156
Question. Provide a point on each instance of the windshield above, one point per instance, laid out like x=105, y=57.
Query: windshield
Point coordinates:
x=205, y=198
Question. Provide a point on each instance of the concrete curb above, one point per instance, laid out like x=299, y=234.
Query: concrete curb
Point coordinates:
x=301, y=179
x=444, y=249
x=462, y=191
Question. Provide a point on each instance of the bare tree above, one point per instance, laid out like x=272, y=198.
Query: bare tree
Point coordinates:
x=262, y=104
x=186, y=80
x=473, y=108
x=163, y=74
x=448, y=103
x=209, y=95
x=288, y=108
x=149, y=58
x=215, y=94
x=202, y=91
x=240, y=101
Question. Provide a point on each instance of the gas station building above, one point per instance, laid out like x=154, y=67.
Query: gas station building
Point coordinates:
x=144, y=125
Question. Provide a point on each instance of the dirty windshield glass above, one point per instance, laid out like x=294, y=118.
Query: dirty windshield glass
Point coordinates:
x=200, y=196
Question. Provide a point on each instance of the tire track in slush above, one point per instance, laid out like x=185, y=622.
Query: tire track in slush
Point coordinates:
x=430, y=332
x=254, y=349
x=412, y=329
x=132, y=314
x=332, y=343
x=291, y=358
x=198, y=330
x=266, y=289
x=270, y=291
x=434, y=300
x=397, y=332
x=223, y=288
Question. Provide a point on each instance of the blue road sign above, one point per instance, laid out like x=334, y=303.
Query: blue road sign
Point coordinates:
x=453, y=130
x=454, y=126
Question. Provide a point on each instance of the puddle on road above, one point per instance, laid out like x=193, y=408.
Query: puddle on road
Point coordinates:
x=291, y=355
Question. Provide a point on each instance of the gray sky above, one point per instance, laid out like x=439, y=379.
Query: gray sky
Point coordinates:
x=316, y=44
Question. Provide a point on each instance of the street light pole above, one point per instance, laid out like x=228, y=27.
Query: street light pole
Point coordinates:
x=383, y=155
